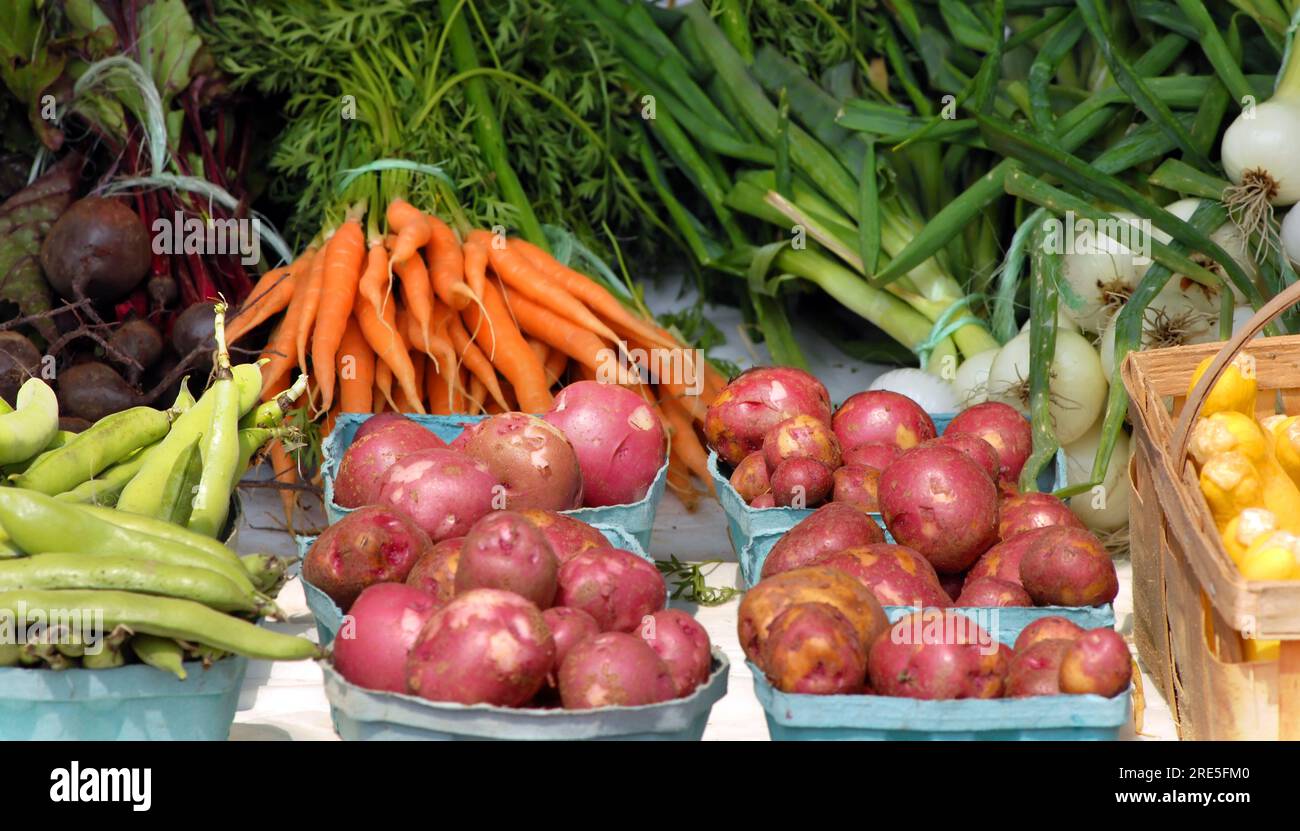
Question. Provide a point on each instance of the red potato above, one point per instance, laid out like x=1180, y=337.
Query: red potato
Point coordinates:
x=1074, y=570
x=828, y=529
x=484, y=647
x=614, y=586
x=896, y=575
x=975, y=447
x=857, y=486
x=992, y=592
x=873, y=454
x=939, y=502
x=374, y=544
x=505, y=551
x=763, y=500
x=1098, y=663
x=1002, y=427
x=614, y=669
x=531, y=458
x=1003, y=560
x=366, y=461
x=801, y=483
x=444, y=491
x=378, y=632
x=812, y=649
x=569, y=627
x=816, y=584
x=384, y=421
x=1037, y=669
x=750, y=478
x=568, y=536
x=682, y=644
x=619, y=441
x=1027, y=511
x=1054, y=627
x=937, y=654
x=802, y=436
x=880, y=416
x=756, y=401
x=435, y=572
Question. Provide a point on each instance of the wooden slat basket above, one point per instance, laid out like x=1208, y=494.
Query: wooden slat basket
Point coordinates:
x=1191, y=604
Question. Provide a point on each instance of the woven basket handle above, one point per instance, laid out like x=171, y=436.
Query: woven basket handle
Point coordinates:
x=1196, y=398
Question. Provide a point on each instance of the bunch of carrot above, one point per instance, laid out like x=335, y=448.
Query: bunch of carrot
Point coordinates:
x=423, y=319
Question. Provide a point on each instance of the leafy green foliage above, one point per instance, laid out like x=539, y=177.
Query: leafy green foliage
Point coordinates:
x=689, y=583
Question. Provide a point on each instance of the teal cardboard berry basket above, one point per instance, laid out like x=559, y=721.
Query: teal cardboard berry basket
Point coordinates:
x=635, y=519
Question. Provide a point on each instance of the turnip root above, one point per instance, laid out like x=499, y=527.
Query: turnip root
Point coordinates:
x=682, y=644
x=1004, y=428
x=802, y=436
x=567, y=536
x=857, y=486
x=530, y=457
x=940, y=503
x=1054, y=627
x=366, y=461
x=1028, y=511
x=375, y=544
x=750, y=478
x=896, y=575
x=569, y=627
x=444, y=491
x=815, y=584
x=829, y=529
x=756, y=401
x=937, y=654
x=613, y=669
x=976, y=448
x=1074, y=570
x=378, y=632
x=1097, y=663
x=881, y=416
x=872, y=454
x=992, y=592
x=618, y=439
x=813, y=649
x=1003, y=560
x=1037, y=669
x=435, y=572
x=801, y=483
x=614, y=586
x=484, y=647
x=505, y=551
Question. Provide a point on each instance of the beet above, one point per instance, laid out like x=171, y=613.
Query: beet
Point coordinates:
x=138, y=340
x=193, y=330
x=98, y=248
x=19, y=360
x=93, y=390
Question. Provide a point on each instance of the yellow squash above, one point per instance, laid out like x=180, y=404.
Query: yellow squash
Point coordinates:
x=1235, y=390
x=1245, y=528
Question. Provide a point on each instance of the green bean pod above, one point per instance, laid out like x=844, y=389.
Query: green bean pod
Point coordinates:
x=29, y=428
x=268, y=572
x=127, y=573
x=60, y=439
x=163, y=530
x=104, y=489
x=111, y=653
x=272, y=413
x=9, y=651
x=178, y=492
x=43, y=654
x=141, y=494
x=184, y=398
x=168, y=617
x=220, y=444
x=106, y=442
x=160, y=653
x=5, y=407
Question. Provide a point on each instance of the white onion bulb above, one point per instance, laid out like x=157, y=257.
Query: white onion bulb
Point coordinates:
x=1077, y=386
x=934, y=394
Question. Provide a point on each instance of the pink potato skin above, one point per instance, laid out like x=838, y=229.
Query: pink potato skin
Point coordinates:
x=367, y=459
x=801, y=483
x=1028, y=511
x=1037, y=669
x=682, y=644
x=384, y=421
x=444, y=491
x=976, y=448
x=374, y=544
x=370, y=650
x=896, y=575
x=484, y=647
x=614, y=586
x=1074, y=570
x=992, y=592
x=435, y=572
x=756, y=401
x=763, y=500
x=613, y=669
x=873, y=454
x=1002, y=427
x=881, y=416
x=937, y=654
x=940, y=503
x=812, y=649
x=1054, y=627
x=619, y=441
x=801, y=436
x=859, y=487
x=569, y=627
x=505, y=551
x=828, y=529
x=1098, y=663
x=1003, y=560
x=530, y=457
x=750, y=478
x=815, y=584
x=567, y=536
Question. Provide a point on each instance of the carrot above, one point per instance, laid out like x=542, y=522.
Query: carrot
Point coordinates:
x=459, y=404
x=509, y=352
x=447, y=265
x=561, y=334
x=412, y=227
x=381, y=332
x=521, y=275
x=476, y=394
x=356, y=369
x=437, y=346
x=269, y=297
x=280, y=350
x=285, y=471
x=344, y=257
x=679, y=481
x=409, y=406
x=671, y=385
x=384, y=386
x=310, y=305
x=475, y=253
x=475, y=361
x=418, y=297
x=407, y=323
x=438, y=388
x=541, y=350
x=555, y=367
x=685, y=443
